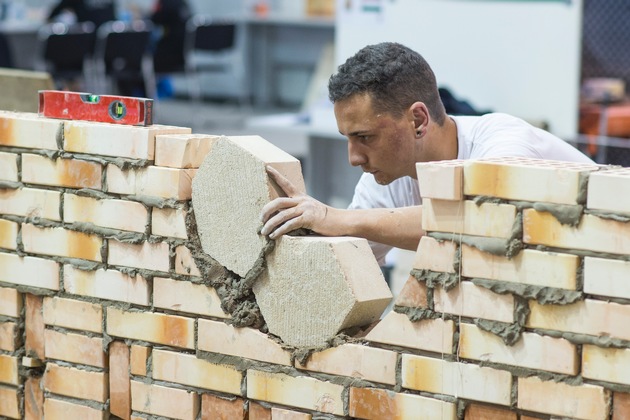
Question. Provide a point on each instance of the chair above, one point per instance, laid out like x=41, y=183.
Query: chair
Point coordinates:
x=65, y=52
x=122, y=55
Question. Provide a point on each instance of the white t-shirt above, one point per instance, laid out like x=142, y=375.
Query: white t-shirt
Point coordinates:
x=490, y=135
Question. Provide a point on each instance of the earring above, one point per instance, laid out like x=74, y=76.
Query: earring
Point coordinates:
x=419, y=133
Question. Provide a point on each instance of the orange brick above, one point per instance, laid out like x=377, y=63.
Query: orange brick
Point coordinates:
x=280, y=414
x=474, y=301
x=248, y=343
x=9, y=370
x=184, y=296
x=73, y=314
x=76, y=383
x=443, y=180
x=357, y=361
x=169, y=222
x=62, y=410
x=457, y=379
x=182, y=150
x=258, y=412
x=159, y=328
x=8, y=335
x=72, y=173
x=152, y=181
x=606, y=364
x=621, y=406
x=8, y=234
x=61, y=242
x=116, y=140
x=9, y=402
x=8, y=167
x=584, y=401
x=28, y=130
x=33, y=399
x=427, y=334
x=147, y=255
x=29, y=271
x=10, y=301
x=119, y=382
x=484, y=412
x=186, y=369
x=108, y=213
x=591, y=317
x=107, y=284
x=413, y=294
x=184, y=262
x=31, y=202
x=301, y=391
x=74, y=348
x=34, y=326
x=139, y=358
x=217, y=408
x=163, y=401
x=371, y=403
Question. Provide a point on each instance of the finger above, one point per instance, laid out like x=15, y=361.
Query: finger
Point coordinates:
x=288, y=226
x=275, y=206
x=275, y=225
x=283, y=182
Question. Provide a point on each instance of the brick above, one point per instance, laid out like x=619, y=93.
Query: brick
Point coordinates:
x=607, y=190
x=182, y=150
x=116, y=140
x=8, y=167
x=71, y=173
x=592, y=234
x=76, y=383
x=526, y=179
x=107, y=284
x=468, y=218
x=163, y=401
x=169, y=222
x=597, y=318
x=74, y=348
x=33, y=399
x=34, y=326
x=356, y=361
x=60, y=410
x=301, y=391
x=31, y=202
x=28, y=130
x=29, y=271
x=147, y=255
x=584, y=401
x=108, y=213
x=428, y=334
x=281, y=414
x=31, y=362
x=9, y=402
x=531, y=351
x=138, y=359
x=184, y=296
x=8, y=335
x=185, y=263
x=61, y=242
x=413, y=294
x=371, y=403
x=158, y=328
x=258, y=411
x=119, y=382
x=153, y=181
x=606, y=277
x=10, y=300
x=474, y=301
x=443, y=180
x=217, y=408
x=435, y=255
x=458, y=379
x=621, y=406
x=9, y=370
x=484, y=412
x=606, y=364
x=186, y=369
x=537, y=268
x=74, y=314
x=8, y=234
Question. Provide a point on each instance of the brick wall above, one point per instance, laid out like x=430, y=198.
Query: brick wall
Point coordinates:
x=515, y=307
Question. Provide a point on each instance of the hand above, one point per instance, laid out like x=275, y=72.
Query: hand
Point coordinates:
x=297, y=210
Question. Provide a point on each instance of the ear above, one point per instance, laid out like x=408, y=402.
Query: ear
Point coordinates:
x=420, y=114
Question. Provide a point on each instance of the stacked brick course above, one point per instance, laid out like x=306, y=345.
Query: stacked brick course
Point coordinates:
x=515, y=307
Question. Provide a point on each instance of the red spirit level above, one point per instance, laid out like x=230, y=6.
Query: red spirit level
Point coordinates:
x=100, y=108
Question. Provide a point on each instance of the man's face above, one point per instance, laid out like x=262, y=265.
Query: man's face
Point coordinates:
x=381, y=144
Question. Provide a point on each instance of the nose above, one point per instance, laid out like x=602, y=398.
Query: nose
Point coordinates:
x=355, y=156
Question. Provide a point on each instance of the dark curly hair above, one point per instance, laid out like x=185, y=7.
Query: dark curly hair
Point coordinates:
x=393, y=75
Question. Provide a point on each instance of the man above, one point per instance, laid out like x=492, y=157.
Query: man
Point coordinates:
x=387, y=104
x=95, y=11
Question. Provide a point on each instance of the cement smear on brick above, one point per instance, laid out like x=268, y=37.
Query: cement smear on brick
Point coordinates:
x=565, y=214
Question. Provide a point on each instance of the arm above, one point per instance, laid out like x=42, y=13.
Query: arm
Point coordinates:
x=401, y=227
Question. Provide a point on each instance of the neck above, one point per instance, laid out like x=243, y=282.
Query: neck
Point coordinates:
x=446, y=143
